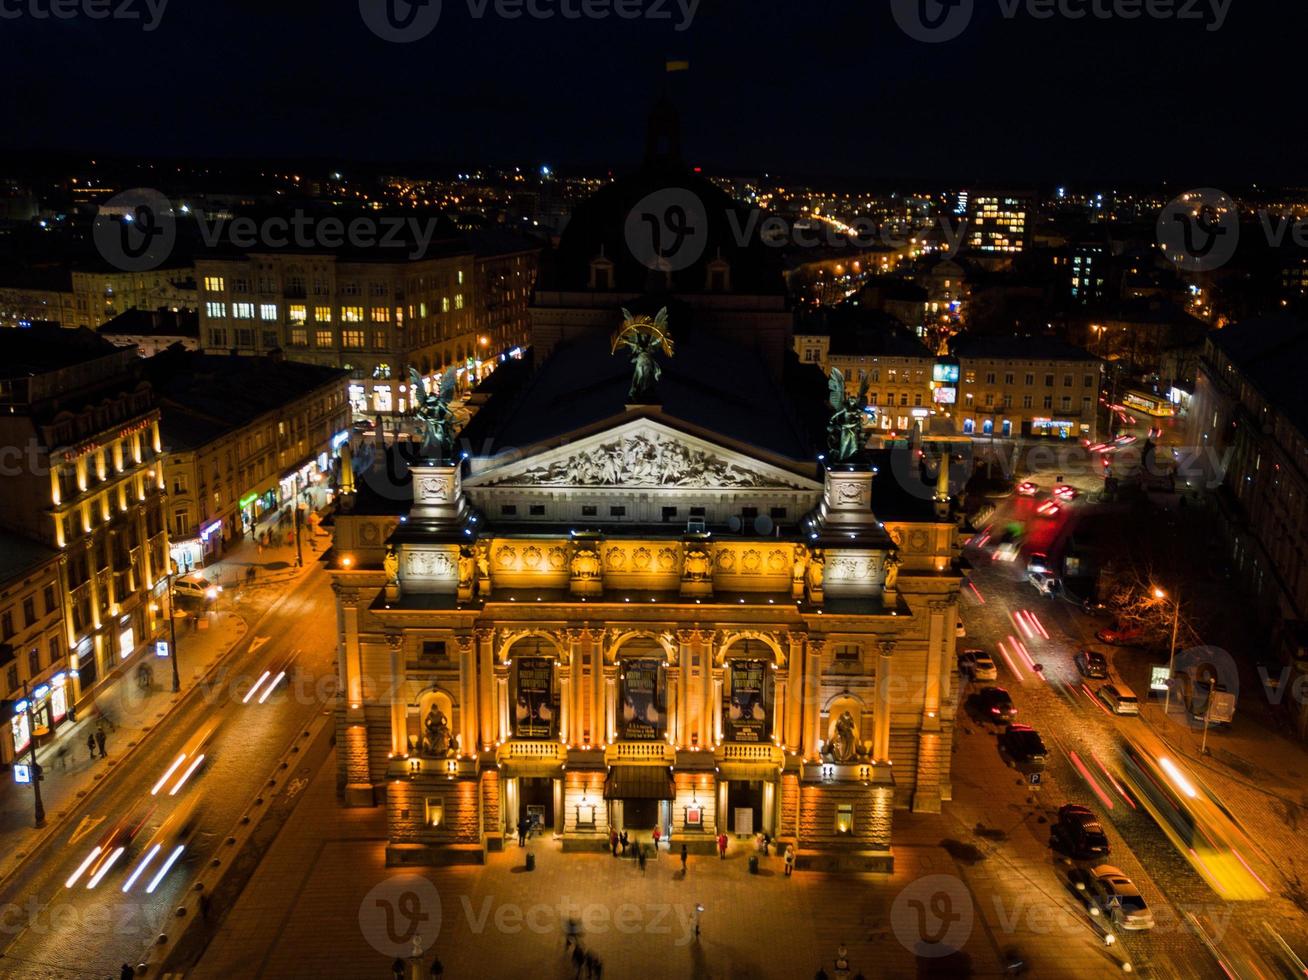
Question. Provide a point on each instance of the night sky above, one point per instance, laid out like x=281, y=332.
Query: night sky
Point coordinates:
x=799, y=87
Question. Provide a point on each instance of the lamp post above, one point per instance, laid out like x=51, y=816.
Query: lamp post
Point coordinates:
x=35, y=767
x=172, y=626
x=1171, y=659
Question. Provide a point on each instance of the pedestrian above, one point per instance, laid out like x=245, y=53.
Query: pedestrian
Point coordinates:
x=640, y=857
x=571, y=932
x=597, y=970
x=767, y=843
x=613, y=841
x=522, y=833
x=590, y=964
x=437, y=967
x=623, y=840
x=722, y=846
x=62, y=757
x=99, y=741
x=90, y=745
x=790, y=860
x=683, y=860
x=656, y=838
x=127, y=972
x=578, y=959
x=397, y=969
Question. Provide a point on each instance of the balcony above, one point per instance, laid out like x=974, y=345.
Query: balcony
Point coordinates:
x=650, y=753
x=755, y=754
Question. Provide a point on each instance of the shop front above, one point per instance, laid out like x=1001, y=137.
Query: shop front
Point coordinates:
x=36, y=718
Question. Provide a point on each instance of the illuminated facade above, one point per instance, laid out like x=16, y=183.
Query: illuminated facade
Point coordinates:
x=84, y=426
x=998, y=223
x=86, y=298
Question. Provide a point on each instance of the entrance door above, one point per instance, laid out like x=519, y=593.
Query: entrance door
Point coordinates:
x=747, y=796
x=744, y=821
x=536, y=801
x=640, y=814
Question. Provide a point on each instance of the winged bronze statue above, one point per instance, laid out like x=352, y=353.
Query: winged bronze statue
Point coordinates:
x=845, y=428
x=432, y=411
x=642, y=337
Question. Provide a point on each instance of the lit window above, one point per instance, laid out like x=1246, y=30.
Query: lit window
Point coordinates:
x=352, y=339
x=351, y=314
x=323, y=338
x=213, y=284
x=460, y=277
x=381, y=314
x=844, y=818
x=445, y=304
x=215, y=310
x=322, y=314
x=297, y=313
x=267, y=311
x=243, y=311
x=300, y=337
x=458, y=301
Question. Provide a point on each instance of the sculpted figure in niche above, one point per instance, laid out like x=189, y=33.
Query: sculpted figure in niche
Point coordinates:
x=437, y=740
x=843, y=747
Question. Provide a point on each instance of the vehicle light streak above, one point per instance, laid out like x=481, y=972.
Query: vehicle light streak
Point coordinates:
x=81, y=870
x=1035, y=620
x=1094, y=700
x=257, y=684
x=1003, y=651
x=149, y=856
x=172, y=858
x=1121, y=791
x=1104, y=798
x=1177, y=777
x=1021, y=623
x=272, y=685
x=104, y=868
x=980, y=598
x=168, y=775
x=186, y=775
x=1240, y=857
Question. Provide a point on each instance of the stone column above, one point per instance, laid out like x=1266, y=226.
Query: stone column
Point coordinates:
x=779, y=711
x=936, y=644
x=502, y=697
x=598, y=734
x=685, y=710
x=349, y=663
x=577, y=700
x=610, y=702
x=565, y=707
x=813, y=697
x=707, y=656
x=717, y=705
x=672, y=677
x=792, y=736
x=467, y=645
x=396, y=685
x=881, y=720
x=485, y=689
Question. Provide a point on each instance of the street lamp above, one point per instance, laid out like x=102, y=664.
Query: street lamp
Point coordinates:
x=1171, y=659
x=36, y=767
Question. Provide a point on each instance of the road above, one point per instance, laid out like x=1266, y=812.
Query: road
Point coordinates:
x=50, y=930
x=1196, y=928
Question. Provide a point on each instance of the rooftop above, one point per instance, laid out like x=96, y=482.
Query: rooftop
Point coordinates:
x=153, y=323
x=43, y=347
x=19, y=556
x=1027, y=348
x=1270, y=353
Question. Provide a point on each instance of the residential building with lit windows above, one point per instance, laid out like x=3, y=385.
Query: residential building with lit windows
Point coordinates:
x=1020, y=388
x=505, y=266
x=998, y=223
x=656, y=610
x=33, y=646
x=243, y=439
x=80, y=419
x=91, y=297
x=1248, y=415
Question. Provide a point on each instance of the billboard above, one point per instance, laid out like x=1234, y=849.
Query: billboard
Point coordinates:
x=946, y=374
x=533, y=712
x=747, y=702
x=643, y=712
x=945, y=396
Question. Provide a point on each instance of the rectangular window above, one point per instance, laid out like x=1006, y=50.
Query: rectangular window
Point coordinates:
x=6, y=626
x=34, y=661
x=268, y=311
x=213, y=284
x=1030, y=380
x=29, y=610
x=1089, y=381
x=297, y=313
x=351, y=314
x=1049, y=380
x=990, y=377
x=697, y=512
x=777, y=513
x=50, y=600
x=844, y=818
x=1008, y=377
x=379, y=340
x=617, y=511
x=458, y=301
x=1067, y=403
x=381, y=314
x=589, y=510
x=322, y=338
x=1049, y=401
x=434, y=812
x=244, y=337
x=299, y=337
x=1026, y=401
x=669, y=513
x=509, y=510
x=445, y=304
x=215, y=311
x=322, y=314
x=217, y=337
x=537, y=510
x=269, y=339
x=352, y=339
x=1067, y=381
x=243, y=311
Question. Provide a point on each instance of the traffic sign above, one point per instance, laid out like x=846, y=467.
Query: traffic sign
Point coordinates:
x=161, y=648
x=22, y=772
x=1033, y=778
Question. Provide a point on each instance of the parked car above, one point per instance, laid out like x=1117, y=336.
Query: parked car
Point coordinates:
x=996, y=705
x=1027, y=489
x=978, y=665
x=1079, y=833
x=1119, y=898
x=1064, y=492
x=1121, y=700
x=1118, y=637
x=1023, y=748
x=1044, y=583
x=1037, y=561
x=1092, y=665
x=959, y=629
x=195, y=586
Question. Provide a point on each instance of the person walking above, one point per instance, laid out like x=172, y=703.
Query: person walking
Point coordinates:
x=683, y=860
x=99, y=741
x=578, y=959
x=656, y=838
x=127, y=972
x=397, y=969
x=590, y=965
x=62, y=757
x=624, y=841
x=722, y=846
x=90, y=744
x=571, y=933
x=790, y=860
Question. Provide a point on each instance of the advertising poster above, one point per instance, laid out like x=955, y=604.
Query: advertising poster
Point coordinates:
x=643, y=712
x=533, y=714
x=746, y=713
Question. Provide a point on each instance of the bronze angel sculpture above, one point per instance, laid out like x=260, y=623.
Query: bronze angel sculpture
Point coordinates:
x=433, y=413
x=642, y=337
x=845, y=428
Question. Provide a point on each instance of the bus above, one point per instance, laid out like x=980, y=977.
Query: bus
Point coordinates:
x=1156, y=405
x=1196, y=823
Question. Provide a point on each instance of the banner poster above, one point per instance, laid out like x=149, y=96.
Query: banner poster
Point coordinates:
x=643, y=713
x=534, y=714
x=747, y=711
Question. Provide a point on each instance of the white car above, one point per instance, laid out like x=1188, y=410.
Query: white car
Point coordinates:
x=978, y=665
x=1045, y=583
x=1119, y=898
x=195, y=587
x=960, y=630
x=1119, y=698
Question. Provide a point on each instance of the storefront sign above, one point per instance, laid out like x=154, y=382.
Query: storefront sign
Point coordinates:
x=340, y=439
x=1158, y=678
x=694, y=816
x=747, y=708
x=161, y=648
x=22, y=773
x=533, y=714
x=18, y=727
x=210, y=529
x=58, y=704
x=643, y=711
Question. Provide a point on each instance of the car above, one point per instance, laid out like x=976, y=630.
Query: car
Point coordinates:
x=1049, y=509
x=1064, y=492
x=195, y=586
x=1121, y=700
x=1043, y=582
x=996, y=705
x=364, y=425
x=1092, y=665
x=1037, y=561
x=1027, y=489
x=1079, y=833
x=1120, y=898
x=1007, y=551
x=1023, y=748
x=959, y=629
x=978, y=665
x=1120, y=637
